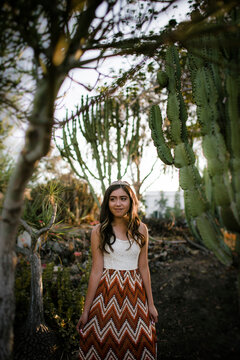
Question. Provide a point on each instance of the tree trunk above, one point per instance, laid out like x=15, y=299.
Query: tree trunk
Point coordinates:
x=38, y=138
x=8, y=231
x=35, y=314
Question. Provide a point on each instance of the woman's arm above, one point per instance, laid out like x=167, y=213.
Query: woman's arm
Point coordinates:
x=95, y=276
x=145, y=274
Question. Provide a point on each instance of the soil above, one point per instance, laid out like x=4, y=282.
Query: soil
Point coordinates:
x=196, y=298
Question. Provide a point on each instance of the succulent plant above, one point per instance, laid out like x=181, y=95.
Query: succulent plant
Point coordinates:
x=211, y=84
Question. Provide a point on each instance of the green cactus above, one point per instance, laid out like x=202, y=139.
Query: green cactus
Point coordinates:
x=212, y=203
x=162, y=78
x=110, y=141
x=199, y=212
x=155, y=123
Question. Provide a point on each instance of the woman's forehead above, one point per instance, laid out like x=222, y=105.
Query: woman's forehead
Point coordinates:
x=119, y=192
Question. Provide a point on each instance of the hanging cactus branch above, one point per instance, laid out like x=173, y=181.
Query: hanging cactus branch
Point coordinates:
x=155, y=123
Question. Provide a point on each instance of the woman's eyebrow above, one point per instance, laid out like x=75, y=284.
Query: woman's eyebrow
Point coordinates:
x=121, y=196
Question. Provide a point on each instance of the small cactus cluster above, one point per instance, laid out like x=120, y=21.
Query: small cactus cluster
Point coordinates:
x=216, y=93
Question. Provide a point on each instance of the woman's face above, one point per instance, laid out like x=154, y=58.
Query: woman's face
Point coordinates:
x=119, y=203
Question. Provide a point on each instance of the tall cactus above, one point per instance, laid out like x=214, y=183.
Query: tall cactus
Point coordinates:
x=110, y=138
x=216, y=93
x=206, y=97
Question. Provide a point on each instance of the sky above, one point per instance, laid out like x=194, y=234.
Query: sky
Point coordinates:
x=72, y=93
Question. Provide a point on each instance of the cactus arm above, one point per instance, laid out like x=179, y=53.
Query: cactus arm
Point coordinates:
x=119, y=147
x=155, y=123
x=233, y=113
x=99, y=134
x=107, y=138
x=210, y=235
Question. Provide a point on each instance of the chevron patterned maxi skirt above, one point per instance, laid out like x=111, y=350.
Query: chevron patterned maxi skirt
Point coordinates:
x=119, y=327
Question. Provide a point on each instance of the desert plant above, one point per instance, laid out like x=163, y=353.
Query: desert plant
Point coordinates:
x=75, y=202
x=216, y=88
x=115, y=140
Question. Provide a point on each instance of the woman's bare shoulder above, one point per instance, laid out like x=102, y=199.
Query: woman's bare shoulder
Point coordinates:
x=96, y=228
x=143, y=229
x=95, y=233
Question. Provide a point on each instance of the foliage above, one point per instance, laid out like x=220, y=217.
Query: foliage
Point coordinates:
x=22, y=290
x=63, y=303
x=13, y=78
x=38, y=206
x=6, y=162
x=166, y=212
x=63, y=296
x=6, y=167
x=75, y=203
x=177, y=210
x=78, y=203
x=162, y=205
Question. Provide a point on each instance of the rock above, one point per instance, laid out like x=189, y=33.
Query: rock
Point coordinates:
x=24, y=240
x=163, y=254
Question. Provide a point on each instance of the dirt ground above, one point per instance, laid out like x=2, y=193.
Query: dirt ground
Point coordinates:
x=196, y=298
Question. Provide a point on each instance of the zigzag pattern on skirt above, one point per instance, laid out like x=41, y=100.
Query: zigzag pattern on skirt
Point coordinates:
x=119, y=327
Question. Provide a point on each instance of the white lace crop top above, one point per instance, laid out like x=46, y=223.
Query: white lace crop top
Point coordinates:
x=123, y=256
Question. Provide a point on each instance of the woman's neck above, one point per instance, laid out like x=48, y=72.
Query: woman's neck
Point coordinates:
x=120, y=222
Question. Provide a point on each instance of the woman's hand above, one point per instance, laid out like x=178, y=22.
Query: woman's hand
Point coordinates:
x=81, y=322
x=153, y=313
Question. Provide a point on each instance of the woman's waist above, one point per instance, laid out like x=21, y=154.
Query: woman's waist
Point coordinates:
x=120, y=266
x=112, y=270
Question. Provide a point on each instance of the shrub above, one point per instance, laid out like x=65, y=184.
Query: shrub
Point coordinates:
x=63, y=297
x=22, y=291
x=63, y=302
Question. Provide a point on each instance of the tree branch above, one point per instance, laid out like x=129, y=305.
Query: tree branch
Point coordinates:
x=24, y=251
x=26, y=227
x=46, y=228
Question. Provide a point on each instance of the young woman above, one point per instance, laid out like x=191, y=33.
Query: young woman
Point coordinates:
x=118, y=320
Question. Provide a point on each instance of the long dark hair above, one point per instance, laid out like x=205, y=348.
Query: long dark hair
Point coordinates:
x=107, y=235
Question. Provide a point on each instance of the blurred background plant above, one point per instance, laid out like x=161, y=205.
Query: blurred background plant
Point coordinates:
x=63, y=299
x=6, y=162
x=74, y=200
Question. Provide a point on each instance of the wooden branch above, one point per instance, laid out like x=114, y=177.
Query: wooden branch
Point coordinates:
x=163, y=241
x=112, y=88
x=84, y=21
x=26, y=227
x=46, y=228
x=24, y=251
